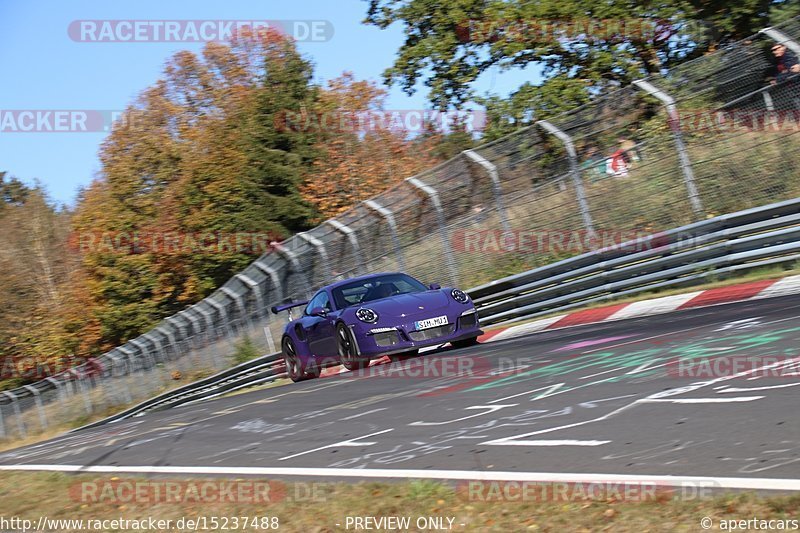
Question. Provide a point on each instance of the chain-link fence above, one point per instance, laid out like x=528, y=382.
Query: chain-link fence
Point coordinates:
x=714, y=135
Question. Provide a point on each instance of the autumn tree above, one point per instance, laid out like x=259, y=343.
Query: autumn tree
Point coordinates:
x=198, y=152
x=362, y=149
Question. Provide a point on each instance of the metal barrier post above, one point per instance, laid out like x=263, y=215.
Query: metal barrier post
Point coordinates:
x=126, y=390
x=389, y=216
x=491, y=169
x=238, y=298
x=148, y=360
x=62, y=398
x=87, y=402
x=17, y=413
x=130, y=370
x=320, y=246
x=351, y=236
x=39, y=406
x=292, y=257
x=273, y=275
x=575, y=173
x=250, y=282
x=683, y=154
x=2, y=424
x=443, y=233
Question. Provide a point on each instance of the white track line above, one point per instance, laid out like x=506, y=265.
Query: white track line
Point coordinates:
x=563, y=442
x=708, y=481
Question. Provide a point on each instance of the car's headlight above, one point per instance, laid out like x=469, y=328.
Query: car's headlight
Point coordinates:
x=367, y=315
x=459, y=296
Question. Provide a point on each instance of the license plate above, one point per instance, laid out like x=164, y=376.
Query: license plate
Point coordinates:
x=431, y=323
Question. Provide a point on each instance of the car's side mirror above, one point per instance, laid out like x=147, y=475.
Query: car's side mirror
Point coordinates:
x=434, y=286
x=319, y=311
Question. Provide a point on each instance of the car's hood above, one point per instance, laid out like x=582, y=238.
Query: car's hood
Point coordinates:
x=410, y=305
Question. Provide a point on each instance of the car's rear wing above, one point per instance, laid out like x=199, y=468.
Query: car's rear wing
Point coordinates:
x=285, y=307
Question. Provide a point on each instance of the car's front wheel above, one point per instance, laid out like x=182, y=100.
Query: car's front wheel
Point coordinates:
x=294, y=367
x=347, y=350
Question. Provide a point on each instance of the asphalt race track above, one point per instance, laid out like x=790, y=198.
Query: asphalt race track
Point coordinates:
x=710, y=392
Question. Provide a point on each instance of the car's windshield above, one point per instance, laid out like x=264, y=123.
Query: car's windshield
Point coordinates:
x=370, y=289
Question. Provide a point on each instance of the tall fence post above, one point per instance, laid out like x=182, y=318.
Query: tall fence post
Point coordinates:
x=389, y=216
x=320, y=247
x=491, y=169
x=782, y=38
x=444, y=234
x=575, y=173
x=680, y=146
x=351, y=236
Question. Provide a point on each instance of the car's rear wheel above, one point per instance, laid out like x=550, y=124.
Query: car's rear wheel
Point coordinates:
x=294, y=367
x=465, y=343
x=347, y=349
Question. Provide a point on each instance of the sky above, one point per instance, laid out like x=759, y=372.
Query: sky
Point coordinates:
x=46, y=69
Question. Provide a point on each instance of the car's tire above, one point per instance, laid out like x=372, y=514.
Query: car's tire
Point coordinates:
x=294, y=367
x=402, y=356
x=347, y=350
x=465, y=343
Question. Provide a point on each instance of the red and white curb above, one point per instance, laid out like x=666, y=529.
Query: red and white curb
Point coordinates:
x=721, y=295
x=666, y=304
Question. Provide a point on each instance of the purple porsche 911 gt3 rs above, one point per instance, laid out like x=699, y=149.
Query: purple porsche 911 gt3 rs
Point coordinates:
x=352, y=321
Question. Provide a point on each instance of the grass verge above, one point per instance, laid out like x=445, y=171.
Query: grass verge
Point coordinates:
x=318, y=507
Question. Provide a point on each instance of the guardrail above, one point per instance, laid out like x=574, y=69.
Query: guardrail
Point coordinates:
x=261, y=370
x=683, y=256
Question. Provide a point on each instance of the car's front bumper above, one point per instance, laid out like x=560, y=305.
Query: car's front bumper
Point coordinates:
x=374, y=341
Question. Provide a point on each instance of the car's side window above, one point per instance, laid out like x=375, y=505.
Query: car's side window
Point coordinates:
x=325, y=302
x=319, y=300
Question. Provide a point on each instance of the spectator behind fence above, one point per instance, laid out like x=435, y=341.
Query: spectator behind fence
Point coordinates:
x=594, y=163
x=786, y=64
x=622, y=160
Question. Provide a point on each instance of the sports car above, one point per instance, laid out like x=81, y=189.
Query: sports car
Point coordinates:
x=352, y=321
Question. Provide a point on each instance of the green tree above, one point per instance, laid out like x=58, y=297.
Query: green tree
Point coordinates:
x=449, y=43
